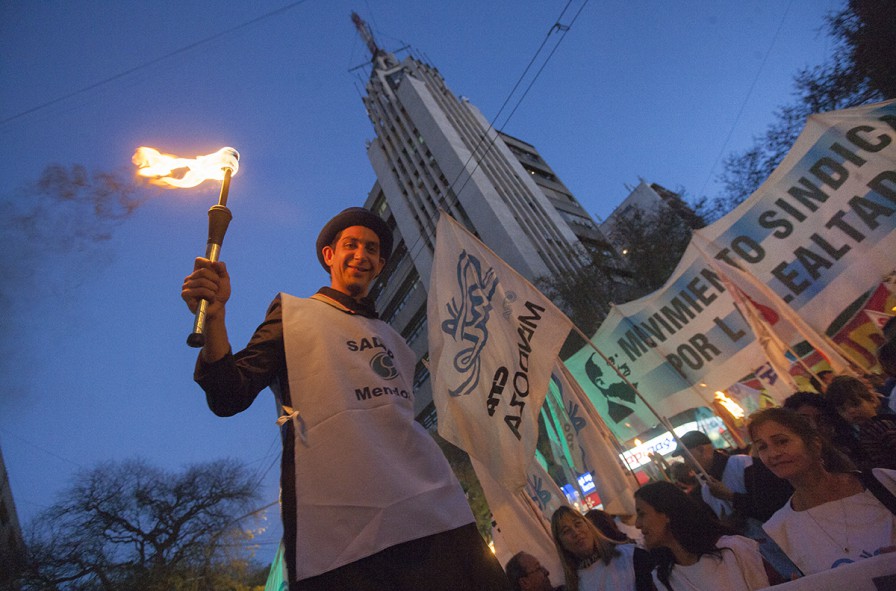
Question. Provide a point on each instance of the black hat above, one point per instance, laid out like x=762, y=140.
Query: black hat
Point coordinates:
x=354, y=216
x=690, y=440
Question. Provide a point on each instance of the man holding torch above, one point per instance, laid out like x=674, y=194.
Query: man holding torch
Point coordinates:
x=368, y=500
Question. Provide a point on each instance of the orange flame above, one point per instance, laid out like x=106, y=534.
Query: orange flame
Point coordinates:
x=158, y=167
x=730, y=405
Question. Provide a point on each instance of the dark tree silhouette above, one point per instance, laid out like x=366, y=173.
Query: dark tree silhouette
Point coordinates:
x=650, y=242
x=861, y=69
x=132, y=526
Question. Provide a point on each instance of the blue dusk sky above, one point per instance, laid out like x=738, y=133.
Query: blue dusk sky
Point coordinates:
x=95, y=365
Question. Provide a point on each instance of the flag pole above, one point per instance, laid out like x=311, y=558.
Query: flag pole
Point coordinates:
x=686, y=454
x=620, y=449
x=816, y=340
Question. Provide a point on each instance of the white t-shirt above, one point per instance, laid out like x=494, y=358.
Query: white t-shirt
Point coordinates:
x=835, y=533
x=739, y=568
x=619, y=574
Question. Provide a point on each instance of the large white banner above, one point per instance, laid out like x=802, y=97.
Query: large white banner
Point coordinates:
x=675, y=347
x=819, y=233
x=493, y=340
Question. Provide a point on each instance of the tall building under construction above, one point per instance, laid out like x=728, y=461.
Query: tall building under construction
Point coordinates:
x=434, y=151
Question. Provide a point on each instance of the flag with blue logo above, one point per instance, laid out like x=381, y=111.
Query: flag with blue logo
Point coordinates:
x=590, y=439
x=522, y=518
x=493, y=340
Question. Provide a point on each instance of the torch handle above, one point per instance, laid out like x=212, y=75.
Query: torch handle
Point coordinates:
x=218, y=219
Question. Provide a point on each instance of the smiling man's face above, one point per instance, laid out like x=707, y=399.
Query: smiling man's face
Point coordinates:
x=354, y=260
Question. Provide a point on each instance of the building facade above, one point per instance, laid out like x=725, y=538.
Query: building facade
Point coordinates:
x=651, y=199
x=12, y=548
x=436, y=152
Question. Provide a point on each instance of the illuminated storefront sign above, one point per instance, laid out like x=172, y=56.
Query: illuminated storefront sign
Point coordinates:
x=665, y=443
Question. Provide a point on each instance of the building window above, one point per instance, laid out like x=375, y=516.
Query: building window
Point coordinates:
x=427, y=417
x=415, y=327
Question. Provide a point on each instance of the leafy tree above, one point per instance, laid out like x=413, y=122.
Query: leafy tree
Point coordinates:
x=132, y=526
x=651, y=243
x=586, y=296
x=862, y=69
x=463, y=469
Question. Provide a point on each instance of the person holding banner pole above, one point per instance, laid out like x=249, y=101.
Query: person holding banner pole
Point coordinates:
x=718, y=467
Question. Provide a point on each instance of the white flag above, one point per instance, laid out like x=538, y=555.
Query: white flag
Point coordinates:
x=522, y=519
x=592, y=437
x=773, y=346
x=493, y=338
x=781, y=325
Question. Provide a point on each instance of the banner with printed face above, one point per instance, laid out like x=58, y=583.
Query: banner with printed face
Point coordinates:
x=493, y=339
x=675, y=348
x=586, y=435
x=818, y=233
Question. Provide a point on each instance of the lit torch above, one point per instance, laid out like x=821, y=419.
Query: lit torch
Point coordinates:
x=220, y=166
x=732, y=414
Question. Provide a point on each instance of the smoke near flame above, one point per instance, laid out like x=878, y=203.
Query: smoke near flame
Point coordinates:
x=56, y=233
x=67, y=211
x=173, y=172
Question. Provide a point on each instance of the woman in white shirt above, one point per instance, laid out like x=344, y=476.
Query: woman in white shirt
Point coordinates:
x=832, y=518
x=692, y=549
x=593, y=562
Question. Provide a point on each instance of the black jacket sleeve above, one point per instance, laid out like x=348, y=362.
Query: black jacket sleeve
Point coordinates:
x=766, y=493
x=233, y=382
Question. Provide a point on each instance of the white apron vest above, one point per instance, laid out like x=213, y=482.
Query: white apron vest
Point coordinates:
x=367, y=475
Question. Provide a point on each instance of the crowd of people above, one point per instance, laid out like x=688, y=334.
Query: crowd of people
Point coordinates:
x=815, y=489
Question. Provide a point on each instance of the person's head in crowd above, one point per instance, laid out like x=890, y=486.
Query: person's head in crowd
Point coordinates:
x=852, y=399
x=683, y=476
x=527, y=574
x=699, y=445
x=886, y=356
x=889, y=329
x=579, y=543
x=791, y=447
x=674, y=527
x=604, y=522
x=815, y=409
x=830, y=425
x=821, y=382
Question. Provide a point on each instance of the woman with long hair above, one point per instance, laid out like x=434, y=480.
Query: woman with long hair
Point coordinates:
x=606, y=524
x=593, y=562
x=835, y=515
x=693, y=551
